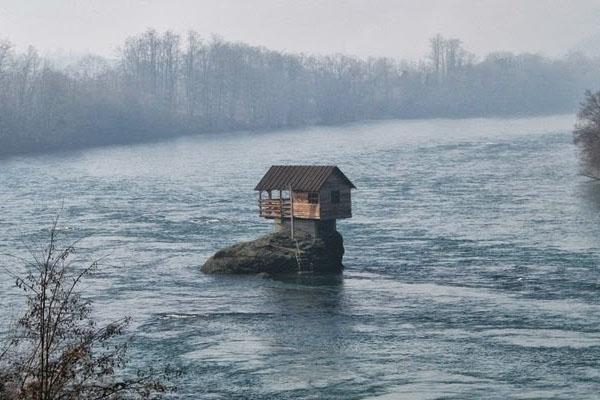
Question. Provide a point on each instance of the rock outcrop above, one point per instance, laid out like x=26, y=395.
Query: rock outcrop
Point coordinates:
x=276, y=254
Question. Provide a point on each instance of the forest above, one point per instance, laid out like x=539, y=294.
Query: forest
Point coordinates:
x=164, y=85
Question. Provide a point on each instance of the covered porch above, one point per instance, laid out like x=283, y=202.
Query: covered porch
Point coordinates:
x=275, y=204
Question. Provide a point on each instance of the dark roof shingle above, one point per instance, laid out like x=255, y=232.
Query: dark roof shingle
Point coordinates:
x=308, y=178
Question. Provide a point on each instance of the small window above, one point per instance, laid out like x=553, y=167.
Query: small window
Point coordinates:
x=313, y=197
x=335, y=196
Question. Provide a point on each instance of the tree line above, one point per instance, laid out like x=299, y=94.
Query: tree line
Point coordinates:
x=166, y=84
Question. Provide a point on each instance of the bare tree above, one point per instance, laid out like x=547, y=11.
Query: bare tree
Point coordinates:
x=587, y=135
x=57, y=351
x=437, y=56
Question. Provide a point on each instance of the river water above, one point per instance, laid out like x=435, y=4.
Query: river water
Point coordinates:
x=472, y=260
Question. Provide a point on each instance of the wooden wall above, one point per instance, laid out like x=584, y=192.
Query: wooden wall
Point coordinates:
x=329, y=210
x=325, y=209
x=304, y=209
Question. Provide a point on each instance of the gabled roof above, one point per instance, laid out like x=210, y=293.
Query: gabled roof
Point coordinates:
x=305, y=178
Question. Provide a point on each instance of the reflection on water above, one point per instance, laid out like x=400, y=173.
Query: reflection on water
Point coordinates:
x=472, y=260
x=310, y=280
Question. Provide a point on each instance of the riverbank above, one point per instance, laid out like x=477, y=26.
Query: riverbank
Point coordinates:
x=149, y=137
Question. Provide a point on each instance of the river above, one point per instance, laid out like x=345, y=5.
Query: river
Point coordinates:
x=472, y=260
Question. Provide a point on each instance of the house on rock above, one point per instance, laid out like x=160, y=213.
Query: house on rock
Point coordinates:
x=308, y=198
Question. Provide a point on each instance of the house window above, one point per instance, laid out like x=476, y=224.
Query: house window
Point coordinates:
x=313, y=197
x=335, y=196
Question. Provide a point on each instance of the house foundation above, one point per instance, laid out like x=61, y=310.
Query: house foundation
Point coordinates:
x=315, y=228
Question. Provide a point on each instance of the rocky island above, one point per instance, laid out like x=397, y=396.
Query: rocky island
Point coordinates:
x=277, y=253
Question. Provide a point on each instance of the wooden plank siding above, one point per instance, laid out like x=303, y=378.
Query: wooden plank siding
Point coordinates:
x=324, y=209
x=303, y=209
x=329, y=210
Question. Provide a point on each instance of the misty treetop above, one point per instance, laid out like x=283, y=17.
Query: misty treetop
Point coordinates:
x=587, y=135
x=164, y=85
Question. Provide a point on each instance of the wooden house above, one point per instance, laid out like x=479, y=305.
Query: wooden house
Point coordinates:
x=305, y=197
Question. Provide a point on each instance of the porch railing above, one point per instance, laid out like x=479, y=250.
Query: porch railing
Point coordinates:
x=275, y=208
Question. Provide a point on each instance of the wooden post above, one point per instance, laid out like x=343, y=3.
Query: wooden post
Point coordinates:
x=292, y=212
x=281, y=213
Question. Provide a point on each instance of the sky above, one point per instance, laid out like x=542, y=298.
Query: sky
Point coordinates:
x=399, y=29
